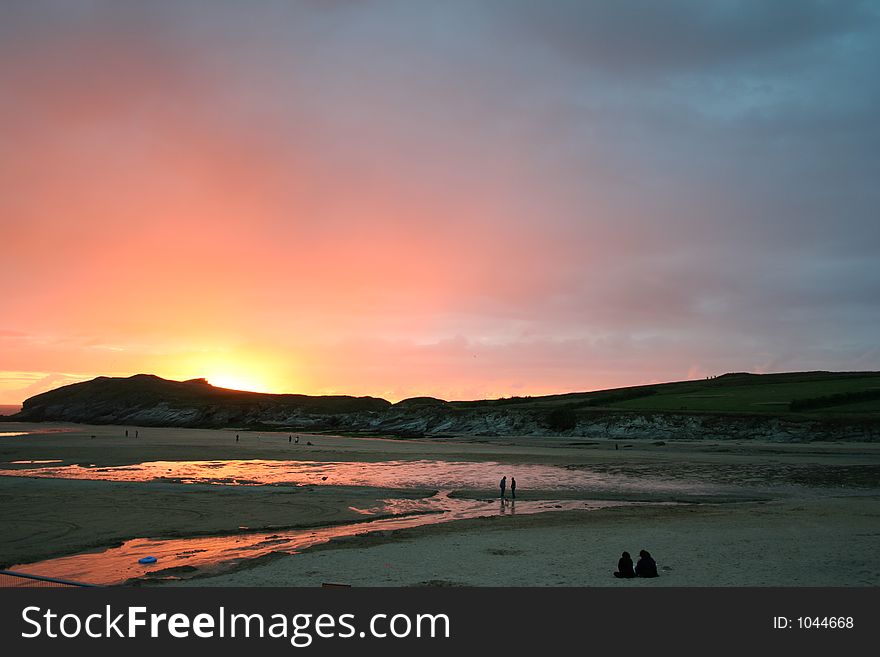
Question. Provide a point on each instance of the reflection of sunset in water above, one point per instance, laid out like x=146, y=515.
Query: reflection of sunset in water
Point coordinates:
x=32, y=462
x=181, y=558
x=419, y=474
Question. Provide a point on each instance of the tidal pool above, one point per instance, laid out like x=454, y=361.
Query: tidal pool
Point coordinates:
x=418, y=474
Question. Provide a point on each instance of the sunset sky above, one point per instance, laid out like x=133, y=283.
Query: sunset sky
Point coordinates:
x=461, y=199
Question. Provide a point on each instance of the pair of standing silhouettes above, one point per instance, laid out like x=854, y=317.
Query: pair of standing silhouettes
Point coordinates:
x=503, y=486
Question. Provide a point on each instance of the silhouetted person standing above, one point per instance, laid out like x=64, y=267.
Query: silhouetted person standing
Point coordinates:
x=513, y=487
x=297, y=440
x=236, y=437
x=126, y=433
x=625, y=567
x=290, y=439
x=503, y=485
x=136, y=434
x=646, y=567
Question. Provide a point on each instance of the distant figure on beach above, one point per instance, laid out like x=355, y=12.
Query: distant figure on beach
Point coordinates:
x=236, y=437
x=308, y=442
x=646, y=567
x=625, y=567
x=513, y=487
x=296, y=442
x=136, y=434
x=503, y=485
x=289, y=438
x=126, y=433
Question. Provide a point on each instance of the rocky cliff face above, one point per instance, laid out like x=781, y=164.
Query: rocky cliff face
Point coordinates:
x=607, y=424
x=150, y=401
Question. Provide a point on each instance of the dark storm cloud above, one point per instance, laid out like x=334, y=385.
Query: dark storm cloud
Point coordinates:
x=644, y=38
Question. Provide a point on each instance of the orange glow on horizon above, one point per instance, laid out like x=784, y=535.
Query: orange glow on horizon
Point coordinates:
x=248, y=370
x=235, y=382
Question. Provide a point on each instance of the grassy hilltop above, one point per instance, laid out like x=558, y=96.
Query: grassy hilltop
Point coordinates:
x=813, y=393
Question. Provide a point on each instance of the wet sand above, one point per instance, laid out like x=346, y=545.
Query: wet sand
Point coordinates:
x=190, y=557
x=826, y=542
x=43, y=518
x=819, y=511
x=72, y=443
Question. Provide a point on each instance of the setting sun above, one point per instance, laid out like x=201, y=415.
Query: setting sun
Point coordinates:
x=240, y=367
x=245, y=371
x=238, y=382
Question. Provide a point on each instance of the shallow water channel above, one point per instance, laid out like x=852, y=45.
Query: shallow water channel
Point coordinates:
x=184, y=557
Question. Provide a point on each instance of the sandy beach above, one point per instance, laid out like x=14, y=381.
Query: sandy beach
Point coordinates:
x=765, y=514
x=829, y=542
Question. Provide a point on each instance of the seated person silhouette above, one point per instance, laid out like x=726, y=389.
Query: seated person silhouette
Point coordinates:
x=646, y=567
x=625, y=567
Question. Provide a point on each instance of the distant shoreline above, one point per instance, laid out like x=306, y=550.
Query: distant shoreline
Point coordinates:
x=789, y=407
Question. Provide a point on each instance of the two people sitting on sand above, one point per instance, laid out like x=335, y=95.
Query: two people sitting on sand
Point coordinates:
x=503, y=486
x=646, y=567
